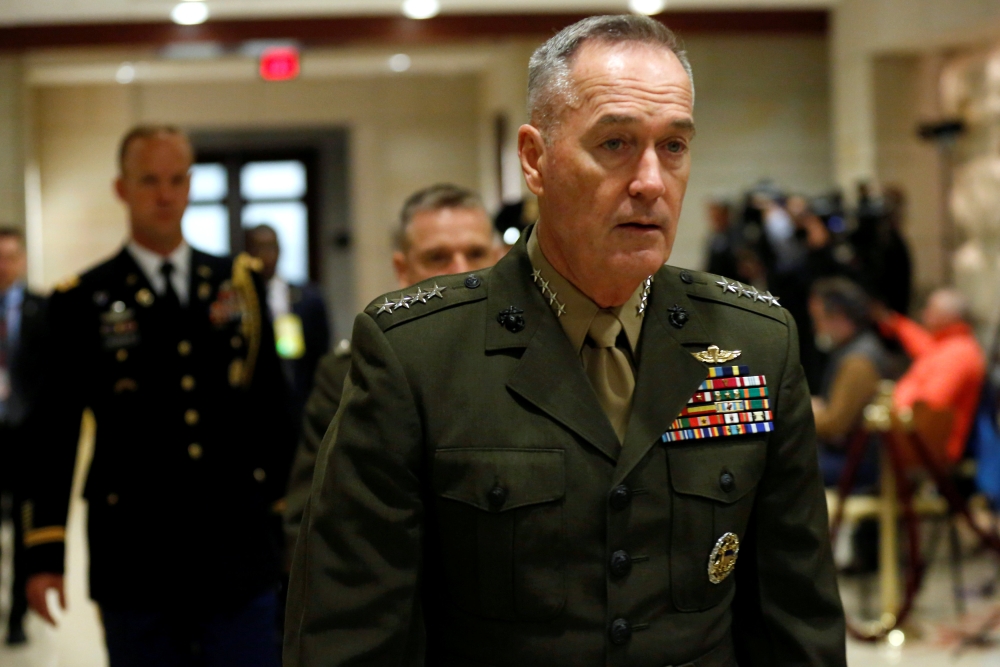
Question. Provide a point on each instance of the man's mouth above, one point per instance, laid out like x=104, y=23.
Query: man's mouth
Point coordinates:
x=640, y=225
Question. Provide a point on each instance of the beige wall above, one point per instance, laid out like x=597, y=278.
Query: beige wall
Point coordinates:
x=905, y=95
x=885, y=60
x=405, y=133
x=11, y=142
x=761, y=112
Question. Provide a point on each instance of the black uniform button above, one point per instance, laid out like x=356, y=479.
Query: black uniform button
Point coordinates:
x=686, y=278
x=621, y=496
x=473, y=281
x=727, y=481
x=621, y=563
x=621, y=632
x=497, y=497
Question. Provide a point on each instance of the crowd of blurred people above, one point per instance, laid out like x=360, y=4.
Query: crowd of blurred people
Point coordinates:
x=845, y=275
x=784, y=243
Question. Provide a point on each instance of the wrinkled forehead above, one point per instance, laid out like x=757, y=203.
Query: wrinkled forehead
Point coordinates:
x=627, y=63
x=449, y=224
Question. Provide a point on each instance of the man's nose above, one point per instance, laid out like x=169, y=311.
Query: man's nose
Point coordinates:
x=648, y=181
x=459, y=263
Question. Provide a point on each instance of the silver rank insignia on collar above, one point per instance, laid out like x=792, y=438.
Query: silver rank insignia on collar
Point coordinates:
x=751, y=293
x=713, y=355
x=558, y=307
x=407, y=300
x=647, y=288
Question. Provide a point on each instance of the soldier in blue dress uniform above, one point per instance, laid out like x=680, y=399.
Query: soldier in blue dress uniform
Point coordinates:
x=172, y=351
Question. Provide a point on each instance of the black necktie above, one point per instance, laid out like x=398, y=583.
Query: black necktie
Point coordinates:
x=169, y=296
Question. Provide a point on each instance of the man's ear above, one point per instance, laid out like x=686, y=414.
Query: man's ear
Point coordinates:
x=400, y=266
x=531, y=151
x=119, y=187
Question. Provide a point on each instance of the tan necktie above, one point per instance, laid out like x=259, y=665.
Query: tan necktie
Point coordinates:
x=609, y=370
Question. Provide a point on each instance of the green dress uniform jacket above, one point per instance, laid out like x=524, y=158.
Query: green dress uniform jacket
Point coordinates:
x=193, y=440
x=472, y=505
x=324, y=399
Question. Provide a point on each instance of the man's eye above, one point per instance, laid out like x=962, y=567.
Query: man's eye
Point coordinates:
x=614, y=144
x=676, y=146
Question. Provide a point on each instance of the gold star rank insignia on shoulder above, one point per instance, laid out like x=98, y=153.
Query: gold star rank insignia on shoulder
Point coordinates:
x=732, y=401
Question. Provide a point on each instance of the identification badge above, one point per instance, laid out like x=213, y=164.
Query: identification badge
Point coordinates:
x=5, y=388
x=289, y=337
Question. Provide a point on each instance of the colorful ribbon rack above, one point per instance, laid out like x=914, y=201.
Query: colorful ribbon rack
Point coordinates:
x=730, y=402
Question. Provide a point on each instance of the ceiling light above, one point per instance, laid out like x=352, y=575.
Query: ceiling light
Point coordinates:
x=647, y=7
x=511, y=235
x=125, y=73
x=421, y=9
x=190, y=13
x=399, y=62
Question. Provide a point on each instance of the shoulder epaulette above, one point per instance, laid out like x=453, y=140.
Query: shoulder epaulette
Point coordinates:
x=67, y=284
x=429, y=296
x=715, y=288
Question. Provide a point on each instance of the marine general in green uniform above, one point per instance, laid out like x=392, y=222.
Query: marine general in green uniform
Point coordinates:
x=582, y=456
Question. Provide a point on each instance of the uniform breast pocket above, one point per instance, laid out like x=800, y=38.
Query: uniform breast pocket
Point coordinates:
x=713, y=487
x=503, y=542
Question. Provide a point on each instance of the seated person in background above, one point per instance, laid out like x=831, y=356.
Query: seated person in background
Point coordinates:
x=948, y=366
x=840, y=315
x=443, y=229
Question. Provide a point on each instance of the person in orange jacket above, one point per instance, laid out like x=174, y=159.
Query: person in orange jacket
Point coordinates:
x=948, y=367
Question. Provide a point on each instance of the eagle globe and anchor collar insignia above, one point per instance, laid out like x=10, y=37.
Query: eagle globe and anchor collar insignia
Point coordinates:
x=722, y=560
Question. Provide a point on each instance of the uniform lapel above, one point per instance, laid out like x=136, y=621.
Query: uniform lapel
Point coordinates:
x=668, y=374
x=549, y=375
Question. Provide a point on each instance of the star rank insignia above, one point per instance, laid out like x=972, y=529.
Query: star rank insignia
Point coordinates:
x=404, y=302
x=741, y=290
x=407, y=300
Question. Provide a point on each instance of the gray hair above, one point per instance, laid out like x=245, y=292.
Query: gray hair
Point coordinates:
x=434, y=198
x=952, y=303
x=550, y=64
x=844, y=296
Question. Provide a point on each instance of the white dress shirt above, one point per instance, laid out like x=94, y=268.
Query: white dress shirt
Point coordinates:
x=279, y=297
x=150, y=263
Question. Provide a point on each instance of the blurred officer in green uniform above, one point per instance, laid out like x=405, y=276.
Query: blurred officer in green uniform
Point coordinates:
x=580, y=456
x=443, y=229
x=173, y=352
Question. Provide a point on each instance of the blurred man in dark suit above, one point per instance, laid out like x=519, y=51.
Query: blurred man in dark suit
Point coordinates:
x=301, y=327
x=172, y=350
x=21, y=322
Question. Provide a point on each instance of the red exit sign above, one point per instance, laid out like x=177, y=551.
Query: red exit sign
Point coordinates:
x=280, y=63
